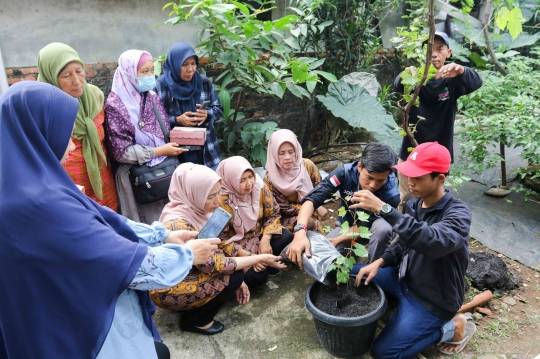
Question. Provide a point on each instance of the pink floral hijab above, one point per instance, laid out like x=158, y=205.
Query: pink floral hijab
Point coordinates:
x=245, y=206
x=191, y=185
x=125, y=78
x=294, y=180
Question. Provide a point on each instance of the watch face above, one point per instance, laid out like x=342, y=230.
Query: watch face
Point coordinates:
x=298, y=227
x=386, y=208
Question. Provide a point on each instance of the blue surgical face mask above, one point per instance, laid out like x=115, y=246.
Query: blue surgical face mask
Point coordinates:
x=146, y=83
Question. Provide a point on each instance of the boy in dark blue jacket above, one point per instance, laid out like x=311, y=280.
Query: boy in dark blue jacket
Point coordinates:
x=425, y=268
x=438, y=103
x=373, y=173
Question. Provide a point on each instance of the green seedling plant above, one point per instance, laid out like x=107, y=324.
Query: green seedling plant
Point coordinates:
x=344, y=264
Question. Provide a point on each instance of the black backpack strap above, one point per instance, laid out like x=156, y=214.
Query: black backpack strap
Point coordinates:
x=163, y=128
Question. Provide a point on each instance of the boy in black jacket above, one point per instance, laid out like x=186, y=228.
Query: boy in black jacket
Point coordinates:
x=372, y=172
x=438, y=103
x=425, y=269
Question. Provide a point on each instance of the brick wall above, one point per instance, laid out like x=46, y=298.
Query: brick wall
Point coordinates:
x=99, y=74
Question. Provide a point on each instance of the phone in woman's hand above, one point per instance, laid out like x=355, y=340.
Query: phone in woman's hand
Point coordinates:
x=204, y=105
x=216, y=224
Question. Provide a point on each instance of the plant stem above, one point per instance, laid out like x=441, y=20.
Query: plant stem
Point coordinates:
x=427, y=64
x=503, y=164
x=238, y=105
x=485, y=26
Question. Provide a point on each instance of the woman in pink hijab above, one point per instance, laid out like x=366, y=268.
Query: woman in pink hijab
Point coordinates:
x=134, y=135
x=256, y=223
x=194, y=196
x=290, y=178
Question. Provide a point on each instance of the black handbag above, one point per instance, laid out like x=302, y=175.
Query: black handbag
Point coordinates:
x=151, y=184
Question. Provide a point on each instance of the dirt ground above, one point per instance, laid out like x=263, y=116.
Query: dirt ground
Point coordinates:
x=513, y=329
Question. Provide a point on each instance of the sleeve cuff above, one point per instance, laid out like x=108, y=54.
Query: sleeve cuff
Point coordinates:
x=389, y=259
x=393, y=217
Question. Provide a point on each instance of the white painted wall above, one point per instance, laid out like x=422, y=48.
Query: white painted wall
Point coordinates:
x=100, y=30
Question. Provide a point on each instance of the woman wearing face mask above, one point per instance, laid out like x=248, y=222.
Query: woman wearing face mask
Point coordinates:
x=134, y=133
x=61, y=66
x=255, y=225
x=182, y=90
x=290, y=177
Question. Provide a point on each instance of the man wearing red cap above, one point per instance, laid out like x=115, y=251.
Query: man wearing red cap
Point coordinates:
x=438, y=103
x=425, y=268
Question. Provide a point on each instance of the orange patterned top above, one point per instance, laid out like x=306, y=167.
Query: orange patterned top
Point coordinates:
x=75, y=166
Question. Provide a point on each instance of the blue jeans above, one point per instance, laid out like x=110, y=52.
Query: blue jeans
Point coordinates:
x=412, y=328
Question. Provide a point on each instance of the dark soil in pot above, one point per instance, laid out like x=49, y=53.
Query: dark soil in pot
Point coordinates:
x=347, y=300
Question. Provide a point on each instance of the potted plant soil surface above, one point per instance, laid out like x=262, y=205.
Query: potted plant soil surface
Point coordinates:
x=346, y=317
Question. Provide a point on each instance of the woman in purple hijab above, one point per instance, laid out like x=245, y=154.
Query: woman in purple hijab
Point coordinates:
x=133, y=130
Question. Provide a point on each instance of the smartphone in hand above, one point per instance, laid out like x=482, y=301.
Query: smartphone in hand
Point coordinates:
x=216, y=224
x=204, y=105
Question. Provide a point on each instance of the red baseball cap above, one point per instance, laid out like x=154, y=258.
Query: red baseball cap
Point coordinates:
x=424, y=159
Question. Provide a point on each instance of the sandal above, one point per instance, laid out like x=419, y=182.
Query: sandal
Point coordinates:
x=470, y=328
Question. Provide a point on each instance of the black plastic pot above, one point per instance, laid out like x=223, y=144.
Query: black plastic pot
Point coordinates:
x=345, y=337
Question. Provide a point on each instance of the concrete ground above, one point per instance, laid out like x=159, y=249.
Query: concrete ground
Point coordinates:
x=274, y=324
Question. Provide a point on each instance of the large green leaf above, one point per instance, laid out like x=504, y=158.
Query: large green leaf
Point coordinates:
x=225, y=99
x=355, y=105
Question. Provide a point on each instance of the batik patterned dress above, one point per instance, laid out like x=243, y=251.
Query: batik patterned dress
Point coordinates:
x=267, y=223
x=204, y=282
x=75, y=166
x=289, y=206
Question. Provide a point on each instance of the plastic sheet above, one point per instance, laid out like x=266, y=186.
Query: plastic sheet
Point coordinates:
x=323, y=254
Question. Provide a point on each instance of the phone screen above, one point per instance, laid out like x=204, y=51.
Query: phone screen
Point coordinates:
x=205, y=105
x=216, y=224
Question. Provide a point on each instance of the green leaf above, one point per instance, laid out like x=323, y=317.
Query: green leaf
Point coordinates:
x=350, y=262
x=225, y=99
x=511, y=19
x=311, y=86
x=292, y=42
x=242, y=7
x=264, y=43
x=327, y=75
x=408, y=79
x=364, y=232
x=303, y=29
x=359, y=250
x=276, y=89
x=478, y=60
x=344, y=228
x=295, y=32
x=240, y=122
x=157, y=67
x=284, y=21
x=316, y=64
x=342, y=277
x=231, y=139
x=298, y=91
x=355, y=105
x=342, y=211
x=245, y=137
x=362, y=216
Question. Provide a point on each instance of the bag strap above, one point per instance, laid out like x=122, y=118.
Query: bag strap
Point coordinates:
x=163, y=128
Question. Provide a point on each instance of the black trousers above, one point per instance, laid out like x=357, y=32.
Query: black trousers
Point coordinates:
x=162, y=351
x=202, y=316
x=253, y=278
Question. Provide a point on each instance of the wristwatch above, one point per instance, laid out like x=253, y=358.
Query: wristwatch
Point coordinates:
x=385, y=209
x=298, y=227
